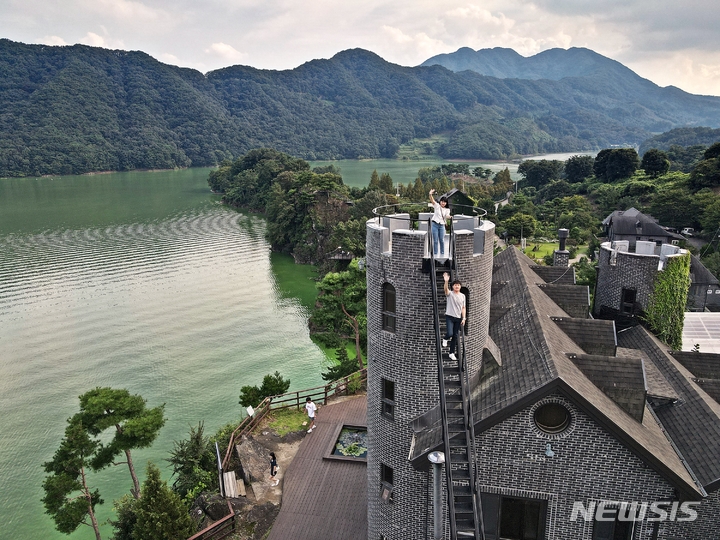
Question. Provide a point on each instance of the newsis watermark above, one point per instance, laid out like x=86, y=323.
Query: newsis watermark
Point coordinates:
x=634, y=511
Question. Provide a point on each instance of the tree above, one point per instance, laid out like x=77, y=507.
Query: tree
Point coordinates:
x=341, y=308
x=537, y=173
x=520, y=226
x=578, y=168
x=613, y=164
x=135, y=426
x=272, y=385
x=191, y=459
x=345, y=366
x=160, y=513
x=655, y=162
x=707, y=172
x=68, y=499
x=386, y=183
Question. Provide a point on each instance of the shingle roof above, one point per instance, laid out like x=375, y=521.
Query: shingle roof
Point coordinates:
x=325, y=499
x=620, y=378
x=536, y=362
x=657, y=385
x=555, y=274
x=699, y=274
x=594, y=336
x=573, y=299
x=702, y=365
x=692, y=422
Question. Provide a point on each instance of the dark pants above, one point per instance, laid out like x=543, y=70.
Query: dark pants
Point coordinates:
x=453, y=328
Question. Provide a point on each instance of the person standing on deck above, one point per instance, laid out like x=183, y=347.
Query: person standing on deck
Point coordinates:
x=440, y=217
x=454, y=314
x=311, y=409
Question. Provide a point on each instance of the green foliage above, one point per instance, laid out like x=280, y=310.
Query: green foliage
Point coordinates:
x=341, y=308
x=133, y=425
x=160, y=513
x=68, y=110
x=655, y=162
x=578, y=168
x=585, y=273
x=68, y=499
x=707, y=172
x=520, y=225
x=355, y=383
x=272, y=385
x=126, y=518
x=537, y=173
x=613, y=164
x=193, y=460
x=345, y=366
x=665, y=314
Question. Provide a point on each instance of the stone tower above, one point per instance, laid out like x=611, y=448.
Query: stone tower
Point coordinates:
x=402, y=361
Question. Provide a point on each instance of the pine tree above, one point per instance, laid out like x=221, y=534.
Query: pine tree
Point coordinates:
x=160, y=513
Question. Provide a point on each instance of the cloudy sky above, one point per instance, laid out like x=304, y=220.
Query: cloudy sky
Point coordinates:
x=670, y=42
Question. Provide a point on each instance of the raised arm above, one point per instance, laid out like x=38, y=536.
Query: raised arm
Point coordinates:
x=446, y=277
x=432, y=200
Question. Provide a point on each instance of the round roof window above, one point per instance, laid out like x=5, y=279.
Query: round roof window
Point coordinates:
x=552, y=418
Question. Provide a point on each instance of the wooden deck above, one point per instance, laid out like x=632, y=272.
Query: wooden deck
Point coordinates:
x=325, y=499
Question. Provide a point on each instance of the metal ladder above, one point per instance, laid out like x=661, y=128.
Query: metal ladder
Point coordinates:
x=465, y=515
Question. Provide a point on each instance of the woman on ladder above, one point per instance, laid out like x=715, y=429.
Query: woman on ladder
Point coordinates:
x=440, y=217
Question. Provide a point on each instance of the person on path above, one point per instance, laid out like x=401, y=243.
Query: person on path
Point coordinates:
x=438, y=220
x=454, y=314
x=311, y=409
x=273, y=470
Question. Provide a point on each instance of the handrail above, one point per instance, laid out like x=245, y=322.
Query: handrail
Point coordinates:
x=470, y=436
x=441, y=383
x=388, y=210
x=285, y=401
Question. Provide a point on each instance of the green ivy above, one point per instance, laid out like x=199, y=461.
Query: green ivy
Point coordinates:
x=665, y=314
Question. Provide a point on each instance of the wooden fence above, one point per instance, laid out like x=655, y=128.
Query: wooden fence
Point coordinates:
x=226, y=526
x=293, y=399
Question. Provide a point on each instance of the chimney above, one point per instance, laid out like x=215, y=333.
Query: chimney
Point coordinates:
x=561, y=257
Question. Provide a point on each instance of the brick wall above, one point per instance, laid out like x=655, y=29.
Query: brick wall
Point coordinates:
x=408, y=358
x=588, y=465
x=630, y=271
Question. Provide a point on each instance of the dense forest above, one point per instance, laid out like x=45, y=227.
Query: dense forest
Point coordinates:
x=77, y=109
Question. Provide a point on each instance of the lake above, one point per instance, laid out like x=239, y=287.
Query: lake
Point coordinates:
x=142, y=281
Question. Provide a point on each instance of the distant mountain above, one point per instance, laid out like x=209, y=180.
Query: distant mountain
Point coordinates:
x=76, y=109
x=553, y=64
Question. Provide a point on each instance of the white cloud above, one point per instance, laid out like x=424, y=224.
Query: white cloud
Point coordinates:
x=93, y=40
x=52, y=40
x=226, y=52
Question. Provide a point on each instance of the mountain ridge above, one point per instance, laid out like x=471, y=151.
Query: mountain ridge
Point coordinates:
x=75, y=109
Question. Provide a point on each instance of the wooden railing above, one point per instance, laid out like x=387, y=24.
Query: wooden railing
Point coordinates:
x=293, y=399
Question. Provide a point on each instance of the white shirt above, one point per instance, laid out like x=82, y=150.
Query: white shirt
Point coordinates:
x=310, y=408
x=455, y=303
x=441, y=214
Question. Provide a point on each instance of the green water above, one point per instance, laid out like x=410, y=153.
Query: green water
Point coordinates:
x=356, y=173
x=141, y=281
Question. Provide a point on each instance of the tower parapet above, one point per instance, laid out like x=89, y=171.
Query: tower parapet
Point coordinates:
x=402, y=357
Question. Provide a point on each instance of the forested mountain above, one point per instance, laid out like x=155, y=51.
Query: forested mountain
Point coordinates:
x=77, y=109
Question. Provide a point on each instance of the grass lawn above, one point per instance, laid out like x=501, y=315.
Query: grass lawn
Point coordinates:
x=284, y=421
x=538, y=250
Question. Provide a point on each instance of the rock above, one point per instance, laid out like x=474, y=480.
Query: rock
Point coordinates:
x=254, y=459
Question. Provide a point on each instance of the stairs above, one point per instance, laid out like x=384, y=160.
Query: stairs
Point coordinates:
x=458, y=430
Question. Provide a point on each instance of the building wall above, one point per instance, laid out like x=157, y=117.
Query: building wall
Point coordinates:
x=408, y=358
x=630, y=271
x=706, y=526
x=589, y=464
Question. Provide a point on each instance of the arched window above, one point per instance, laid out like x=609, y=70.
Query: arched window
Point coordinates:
x=388, y=307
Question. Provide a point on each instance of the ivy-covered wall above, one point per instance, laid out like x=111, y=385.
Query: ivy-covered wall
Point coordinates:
x=665, y=314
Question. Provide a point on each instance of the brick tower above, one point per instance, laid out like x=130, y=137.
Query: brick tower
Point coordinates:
x=402, y=359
